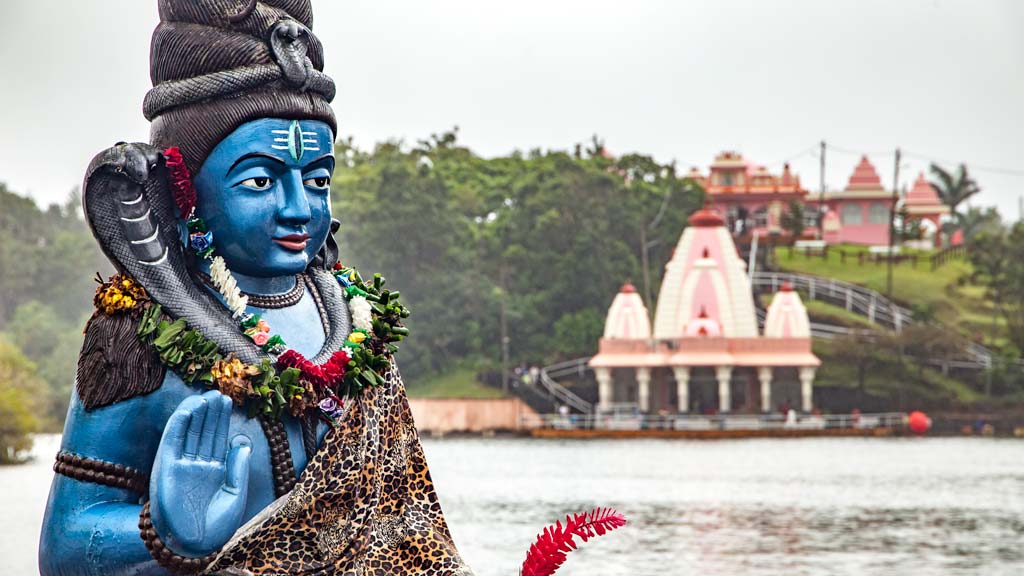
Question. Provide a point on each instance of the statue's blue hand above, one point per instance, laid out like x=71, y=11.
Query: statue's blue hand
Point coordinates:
x=199, y=486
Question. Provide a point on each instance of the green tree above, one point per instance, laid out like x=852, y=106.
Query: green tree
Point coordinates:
x=18, y=384
x=793, y=219
x=979, y=221
x=544, y=239
x=909, y=227
x=953, y=188
x=998, y=259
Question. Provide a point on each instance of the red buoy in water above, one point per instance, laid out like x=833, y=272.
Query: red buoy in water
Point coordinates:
x=919, y=422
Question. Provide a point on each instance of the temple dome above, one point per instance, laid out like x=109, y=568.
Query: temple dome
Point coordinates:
x=706, y=218
x=627, y=316
x=923, y=200
x=787, y=316
x=923, y=193
x=864, y=177
x=705, y=277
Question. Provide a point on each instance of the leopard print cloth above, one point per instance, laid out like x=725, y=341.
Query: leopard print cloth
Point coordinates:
x=364, y=506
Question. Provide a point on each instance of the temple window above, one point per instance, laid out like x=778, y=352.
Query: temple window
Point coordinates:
x=878, y=213
x=852, y=214
x=761, y=217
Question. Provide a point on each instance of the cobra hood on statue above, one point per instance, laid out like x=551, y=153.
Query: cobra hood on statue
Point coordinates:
x=237, y=408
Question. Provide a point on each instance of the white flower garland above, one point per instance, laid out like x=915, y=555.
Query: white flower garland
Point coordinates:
x=228, y=287
x=362, y=313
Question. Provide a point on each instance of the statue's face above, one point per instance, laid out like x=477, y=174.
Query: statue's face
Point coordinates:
x=264, y=192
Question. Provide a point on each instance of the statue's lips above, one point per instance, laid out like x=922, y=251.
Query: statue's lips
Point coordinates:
x=293, y=242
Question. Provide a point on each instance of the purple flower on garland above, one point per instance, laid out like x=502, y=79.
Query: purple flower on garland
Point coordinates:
x=201, y=241
x=330, y=407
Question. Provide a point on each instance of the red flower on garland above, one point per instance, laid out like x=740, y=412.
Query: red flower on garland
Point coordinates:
x=548, y=553
x=334, y=369
x=322, y=377
x=180, y=180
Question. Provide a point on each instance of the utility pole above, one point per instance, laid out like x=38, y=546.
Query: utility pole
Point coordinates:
x=892, y=222
x=645, y=264
x=821, y=193
x=504, y=328
x=645, y=246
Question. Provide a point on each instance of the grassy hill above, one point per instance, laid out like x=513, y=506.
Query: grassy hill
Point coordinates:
x=943, y=294
x=458, y=383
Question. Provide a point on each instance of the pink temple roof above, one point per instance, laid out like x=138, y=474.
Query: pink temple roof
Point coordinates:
x=923, y=194
x=706, y=218
x=864, y=177
x=627, y=316
x=787, y=316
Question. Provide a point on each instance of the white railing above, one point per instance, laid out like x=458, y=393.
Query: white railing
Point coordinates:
x=563, y=394
x=860, y=300
x=637, y=421
x=863, y=301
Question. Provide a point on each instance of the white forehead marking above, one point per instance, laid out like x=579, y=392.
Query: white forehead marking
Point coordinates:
x=282, y=139
x=310, y=140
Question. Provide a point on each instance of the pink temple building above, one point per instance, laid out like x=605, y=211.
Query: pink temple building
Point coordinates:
x=860, y=212
x=923, y=202
x=751, y=198
x=704, y=350
x=753, y=201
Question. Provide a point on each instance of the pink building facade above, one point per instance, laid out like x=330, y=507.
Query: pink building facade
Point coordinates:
x=861, y=211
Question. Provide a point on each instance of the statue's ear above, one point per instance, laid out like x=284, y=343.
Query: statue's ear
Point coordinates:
x=327, y=257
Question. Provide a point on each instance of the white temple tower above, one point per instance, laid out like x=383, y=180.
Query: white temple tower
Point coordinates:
x=705, y=319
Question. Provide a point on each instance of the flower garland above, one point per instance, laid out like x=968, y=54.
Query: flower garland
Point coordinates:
x=289, y=381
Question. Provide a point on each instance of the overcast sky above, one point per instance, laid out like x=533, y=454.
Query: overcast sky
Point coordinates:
x=676, y=79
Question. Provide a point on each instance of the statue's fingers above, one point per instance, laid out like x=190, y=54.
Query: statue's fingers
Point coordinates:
x=220, y=441
x=195, y=430
x=175, y=430
x=209, y=434
x=237, y=476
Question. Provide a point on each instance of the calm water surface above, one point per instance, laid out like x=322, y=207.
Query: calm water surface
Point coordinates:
x=815, y=507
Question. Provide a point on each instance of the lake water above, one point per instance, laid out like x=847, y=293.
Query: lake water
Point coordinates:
x=731, y=507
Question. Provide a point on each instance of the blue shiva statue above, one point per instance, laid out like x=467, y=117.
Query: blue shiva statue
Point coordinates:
x=196, y=413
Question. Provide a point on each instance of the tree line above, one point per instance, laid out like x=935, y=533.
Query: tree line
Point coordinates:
x=531, y=246
x=504, y=261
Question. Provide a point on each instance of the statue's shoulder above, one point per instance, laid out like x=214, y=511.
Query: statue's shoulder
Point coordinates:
x=115, y=364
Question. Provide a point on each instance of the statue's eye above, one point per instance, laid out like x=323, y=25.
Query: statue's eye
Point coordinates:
x=318, y=182
x=258, y=183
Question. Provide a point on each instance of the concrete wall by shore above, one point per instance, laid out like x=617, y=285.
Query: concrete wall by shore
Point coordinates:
x=467, y=415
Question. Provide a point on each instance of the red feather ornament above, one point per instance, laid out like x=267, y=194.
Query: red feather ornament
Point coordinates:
x=548, y=553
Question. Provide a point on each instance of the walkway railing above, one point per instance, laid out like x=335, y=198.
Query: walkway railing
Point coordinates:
x=561, y=393
x=863, y=301
x=943, y=256
x=716, y=422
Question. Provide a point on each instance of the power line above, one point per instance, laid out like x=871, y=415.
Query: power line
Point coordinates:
x=806, y=151
x=971, y=165
x=852, y=152
x=919, y=156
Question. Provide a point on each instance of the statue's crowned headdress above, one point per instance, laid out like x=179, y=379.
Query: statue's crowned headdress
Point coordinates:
x=217, y=64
